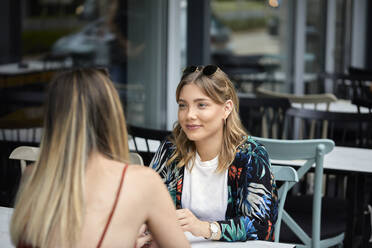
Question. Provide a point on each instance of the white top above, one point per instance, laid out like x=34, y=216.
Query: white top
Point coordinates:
x=204, y=190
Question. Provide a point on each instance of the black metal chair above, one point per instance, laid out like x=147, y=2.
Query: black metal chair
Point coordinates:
x=356, y=86
x=14, y=133
x=146, y=141
x=263, y=117
x=363, y=92
x=346, y=129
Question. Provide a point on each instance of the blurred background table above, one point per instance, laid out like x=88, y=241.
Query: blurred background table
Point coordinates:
x=337, y=106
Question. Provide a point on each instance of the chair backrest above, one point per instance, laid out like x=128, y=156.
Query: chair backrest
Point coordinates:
x=25, y=153
x=357, y=86
x=287, y=175
x=315, y=99
x=346, y=129
x=145, y=141
x=362, y=87
x=263, y=117
x=135, y=158
x=15, y=130
x=312, y=152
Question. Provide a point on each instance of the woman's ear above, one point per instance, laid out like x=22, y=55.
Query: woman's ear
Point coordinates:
x=228, y=107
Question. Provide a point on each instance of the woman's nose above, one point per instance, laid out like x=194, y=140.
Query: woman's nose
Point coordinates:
x=191, y=113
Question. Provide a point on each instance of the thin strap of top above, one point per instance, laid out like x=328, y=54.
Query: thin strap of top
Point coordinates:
x=113, y=207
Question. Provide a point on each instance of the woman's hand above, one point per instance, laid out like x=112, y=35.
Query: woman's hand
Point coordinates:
x=190, y=223
x=144, y=238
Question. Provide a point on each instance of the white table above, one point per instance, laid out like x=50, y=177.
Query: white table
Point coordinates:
x=5, y=216
x=6, y=213
x=341, y=158
x=338, y=106
x=197, y=242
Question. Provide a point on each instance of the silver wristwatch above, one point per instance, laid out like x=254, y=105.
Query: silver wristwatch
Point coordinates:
x=214, y=230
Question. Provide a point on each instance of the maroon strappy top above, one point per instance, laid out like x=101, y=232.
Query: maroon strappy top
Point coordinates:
x=113, y=207
x=23, y=245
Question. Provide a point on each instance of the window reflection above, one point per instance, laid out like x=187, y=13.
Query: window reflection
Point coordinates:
x=126, y=36
x=249, y=41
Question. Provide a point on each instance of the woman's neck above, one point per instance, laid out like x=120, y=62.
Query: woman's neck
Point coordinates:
x=208, y=149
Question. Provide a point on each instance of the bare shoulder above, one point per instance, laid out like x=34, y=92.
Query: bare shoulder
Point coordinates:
x=142, y=173
x=143, y=177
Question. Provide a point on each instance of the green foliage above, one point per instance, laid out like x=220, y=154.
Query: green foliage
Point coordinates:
x=241, y=15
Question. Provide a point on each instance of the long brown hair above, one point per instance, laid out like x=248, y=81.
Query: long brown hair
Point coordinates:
x=83, y=114
x=219, y=88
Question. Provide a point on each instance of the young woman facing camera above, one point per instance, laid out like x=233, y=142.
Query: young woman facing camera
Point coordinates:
x=218, y=177
x=81, y=192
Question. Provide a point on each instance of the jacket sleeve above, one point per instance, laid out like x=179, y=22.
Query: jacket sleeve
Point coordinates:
x=255, y=199
x=159, y=161
x=168, y=173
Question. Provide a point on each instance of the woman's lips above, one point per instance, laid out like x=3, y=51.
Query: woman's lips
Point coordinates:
x=193, y=127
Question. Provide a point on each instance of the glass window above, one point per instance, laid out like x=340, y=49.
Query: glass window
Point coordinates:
x=315, y=45
x=126, y=36
x=250, y=42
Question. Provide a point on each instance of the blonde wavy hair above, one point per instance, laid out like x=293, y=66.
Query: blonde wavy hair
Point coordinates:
x=220, y=89
x=83, y=114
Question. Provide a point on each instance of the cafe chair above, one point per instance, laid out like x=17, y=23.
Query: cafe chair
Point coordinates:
x=16, y=130
x=25, y=153
x=362, y=87
x=314, y=99
x=355, y=86
x=263, y=117
x=135, y=158
x=145, y=141
x=287, y=175
x=307, y=228
x=346, y=129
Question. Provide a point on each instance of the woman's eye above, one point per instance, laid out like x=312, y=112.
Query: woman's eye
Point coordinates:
x=202, y=105
x=181, y=105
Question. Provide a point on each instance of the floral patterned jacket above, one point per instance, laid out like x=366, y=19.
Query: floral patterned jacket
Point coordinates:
x=252, y=195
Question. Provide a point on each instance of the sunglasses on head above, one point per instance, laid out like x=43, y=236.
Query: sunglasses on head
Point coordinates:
x=206, y=70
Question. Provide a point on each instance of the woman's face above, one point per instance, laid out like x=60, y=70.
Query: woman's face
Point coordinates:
x=199, y=116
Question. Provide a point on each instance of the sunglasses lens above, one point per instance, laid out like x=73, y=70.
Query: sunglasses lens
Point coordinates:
x=189, y=69
x=209, y=70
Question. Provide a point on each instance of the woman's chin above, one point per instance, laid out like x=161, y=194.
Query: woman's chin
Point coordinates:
x=192, y=136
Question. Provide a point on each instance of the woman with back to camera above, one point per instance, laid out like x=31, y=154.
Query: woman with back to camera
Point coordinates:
x=81, y=192
x=219, y=178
